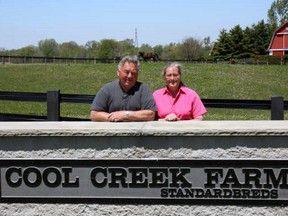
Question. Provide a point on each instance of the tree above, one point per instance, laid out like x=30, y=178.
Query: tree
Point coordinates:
x=48, y=47
x=278, y=13
x=82, y=52
x=69, y=49
x=224, y=45
x=91, y=47
x=248, y=40
x=191, y=48
x=262, y=37
x=107, y=49
x=28, y=51
x=126, y=47
x=207, y=42
x=146, y=48
x=169, y=52
x=236, y=41
x=158, y=49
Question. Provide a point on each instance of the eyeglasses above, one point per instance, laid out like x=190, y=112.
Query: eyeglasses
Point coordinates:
x=170, y=75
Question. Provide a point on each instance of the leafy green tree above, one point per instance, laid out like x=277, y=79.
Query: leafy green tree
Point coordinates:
x=146, y=48
x=207, y=47
x=4, y=52
x=91, y=48
x=190, y=48
x=69, y=49
x=28, y=51
x=223, y=49
x=82, y=52
x=48, y=47
x=169, y=52
x=107, y=49
x=158, y=49
x=126, y=47
x=248, y=40
x=236, y=41
x=207, y=42
x=278, y=13
x=262, y=37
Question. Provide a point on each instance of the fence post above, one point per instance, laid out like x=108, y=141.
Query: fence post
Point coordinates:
x=277, y=108
x=53, y=105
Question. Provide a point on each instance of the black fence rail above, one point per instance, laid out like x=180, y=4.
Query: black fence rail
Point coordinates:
x=267, y=60
x=53, y=60
x=53, y=98
x=67, y=60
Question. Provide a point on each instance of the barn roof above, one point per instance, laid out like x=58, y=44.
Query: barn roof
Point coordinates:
x=275, y=32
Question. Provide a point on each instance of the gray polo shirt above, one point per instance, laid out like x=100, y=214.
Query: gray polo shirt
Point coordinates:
x=111, y=97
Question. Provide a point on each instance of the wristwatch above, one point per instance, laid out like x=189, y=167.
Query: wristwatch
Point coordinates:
x=127, y=113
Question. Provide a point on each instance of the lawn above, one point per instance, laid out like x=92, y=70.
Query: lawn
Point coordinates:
x=211, y=81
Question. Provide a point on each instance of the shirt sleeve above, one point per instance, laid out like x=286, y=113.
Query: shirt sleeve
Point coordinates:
x=100, y=101
x=147, y=99
x=198, y=108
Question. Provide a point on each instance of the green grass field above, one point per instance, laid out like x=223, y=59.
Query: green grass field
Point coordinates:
x=211, y=81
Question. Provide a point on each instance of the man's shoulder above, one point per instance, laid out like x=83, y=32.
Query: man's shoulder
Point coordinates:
x=109, y=85
x=140, y=86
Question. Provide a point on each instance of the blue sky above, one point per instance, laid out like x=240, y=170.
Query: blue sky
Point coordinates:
x=26, y=22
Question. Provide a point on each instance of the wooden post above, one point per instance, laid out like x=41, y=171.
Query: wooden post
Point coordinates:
x=53, y=105
x=277, y=108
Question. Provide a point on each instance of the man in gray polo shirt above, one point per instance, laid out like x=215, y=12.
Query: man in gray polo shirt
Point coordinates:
x=125, y=99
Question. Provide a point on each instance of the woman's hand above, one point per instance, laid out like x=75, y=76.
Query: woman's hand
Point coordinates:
x=171, y=117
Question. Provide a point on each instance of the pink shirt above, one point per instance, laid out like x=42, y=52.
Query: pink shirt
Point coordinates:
x=186, y=105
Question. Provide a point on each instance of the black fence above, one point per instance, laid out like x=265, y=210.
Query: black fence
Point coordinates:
x=53, y=98
x=53, y=60
x=66, y=60
x=267, y=60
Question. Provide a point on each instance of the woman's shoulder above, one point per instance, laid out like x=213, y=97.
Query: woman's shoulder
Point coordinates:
x=159, y=91
x=188, y=90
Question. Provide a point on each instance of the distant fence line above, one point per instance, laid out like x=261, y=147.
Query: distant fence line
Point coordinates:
x=66, y=60
x=53, y=98
x=52, y=60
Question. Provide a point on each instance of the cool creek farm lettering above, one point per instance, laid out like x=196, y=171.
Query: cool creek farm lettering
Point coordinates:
x=171, y=182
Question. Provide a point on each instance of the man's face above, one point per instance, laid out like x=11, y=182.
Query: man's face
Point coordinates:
x=128, y=76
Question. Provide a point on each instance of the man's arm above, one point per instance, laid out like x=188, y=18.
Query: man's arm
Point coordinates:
x=123, y=115
x=99, y=116
x=140, y=115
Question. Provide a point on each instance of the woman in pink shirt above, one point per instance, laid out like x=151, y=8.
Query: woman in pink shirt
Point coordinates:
x=176, y=101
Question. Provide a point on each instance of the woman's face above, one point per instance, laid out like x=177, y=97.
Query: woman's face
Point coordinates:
x=172, y=78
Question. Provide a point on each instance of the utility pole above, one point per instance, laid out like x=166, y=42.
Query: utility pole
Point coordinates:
x=136, y=39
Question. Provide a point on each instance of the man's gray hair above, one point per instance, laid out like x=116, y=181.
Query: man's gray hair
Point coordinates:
x=130, y=59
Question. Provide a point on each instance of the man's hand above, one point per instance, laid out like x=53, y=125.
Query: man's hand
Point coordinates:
x=117, y=116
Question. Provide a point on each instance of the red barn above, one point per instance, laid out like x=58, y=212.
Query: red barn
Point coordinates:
x=279, y=42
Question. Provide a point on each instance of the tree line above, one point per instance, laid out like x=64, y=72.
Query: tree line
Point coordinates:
x=190, y=48
x=233, y=43
x=251, y=41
